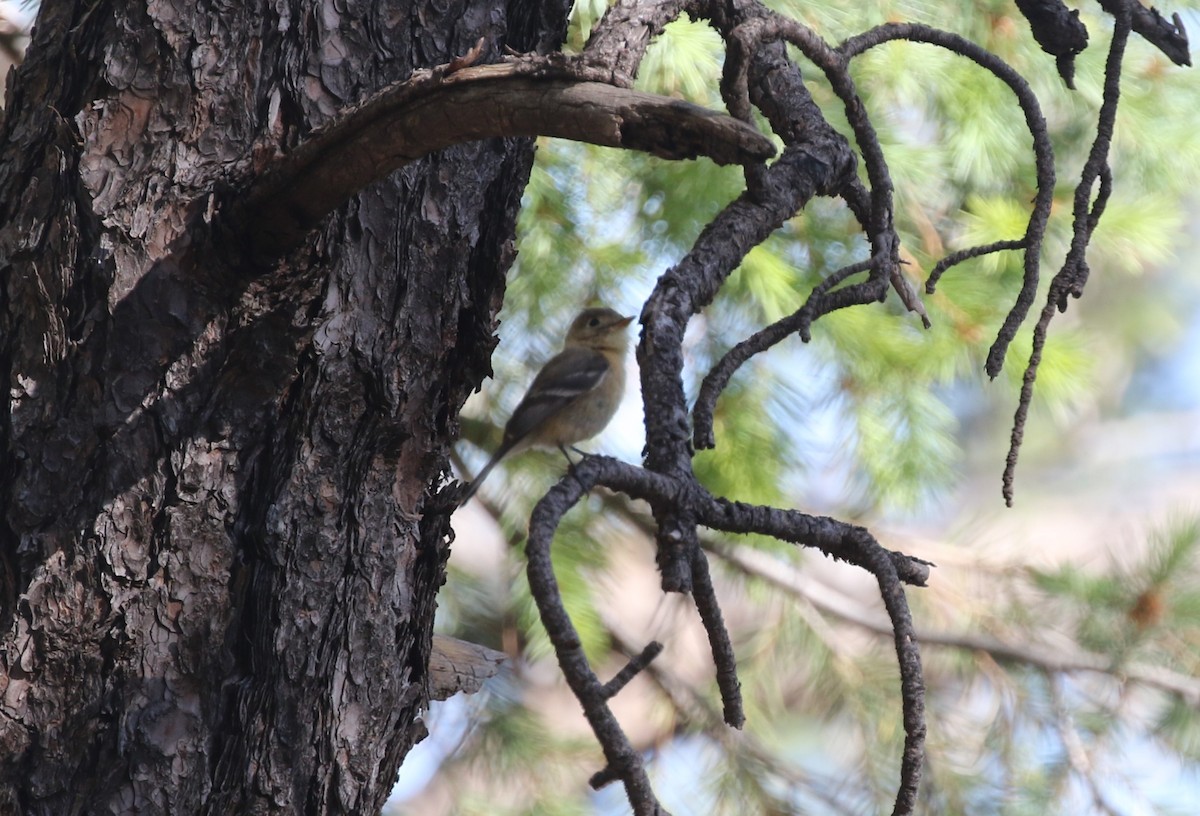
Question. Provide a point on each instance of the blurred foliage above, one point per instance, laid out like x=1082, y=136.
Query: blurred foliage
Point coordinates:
x=866, y=420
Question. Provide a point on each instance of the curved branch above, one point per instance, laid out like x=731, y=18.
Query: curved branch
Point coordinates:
x=837, y=539
x=720, y=374
x=816, y=160
x=912, y=683
x=771, y=26
x=1043, y=152
x=624, y=762
x=724, y=659
x=955, y=258
x=877, y=217
x=439, y=108
x=658, y=489
x=834, y=538
x=857, y=546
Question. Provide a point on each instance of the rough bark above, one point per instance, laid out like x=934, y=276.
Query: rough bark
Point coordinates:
x=220, y=541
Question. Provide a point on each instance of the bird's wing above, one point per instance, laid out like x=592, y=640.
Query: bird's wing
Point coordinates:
x=570, y=373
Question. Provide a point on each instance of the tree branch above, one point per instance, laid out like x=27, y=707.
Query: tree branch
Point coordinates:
x=816, y=160
x=1073, y=274
x=623, y=761
x=1058, y=31
x=1168, y=37
x=1043, y=153
x=718, y=377
x=623, y=34
x=834, y=538
x=955, y=258
x=438, y=108
x=718, y=638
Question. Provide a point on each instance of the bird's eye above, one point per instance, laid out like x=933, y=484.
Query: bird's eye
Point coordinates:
x=594, y=322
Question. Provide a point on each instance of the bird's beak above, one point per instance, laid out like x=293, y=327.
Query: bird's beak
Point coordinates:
x=623, y=322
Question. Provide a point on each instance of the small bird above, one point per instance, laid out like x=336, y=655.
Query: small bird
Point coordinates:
x=574, y=395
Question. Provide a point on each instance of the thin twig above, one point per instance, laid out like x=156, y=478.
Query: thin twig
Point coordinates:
x=718, y=378
x=1071, y=278
x=955, y=258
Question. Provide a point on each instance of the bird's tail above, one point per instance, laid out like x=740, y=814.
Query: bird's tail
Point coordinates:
x=496, y=457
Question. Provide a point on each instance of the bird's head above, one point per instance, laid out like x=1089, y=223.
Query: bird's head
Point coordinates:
x=599, y=328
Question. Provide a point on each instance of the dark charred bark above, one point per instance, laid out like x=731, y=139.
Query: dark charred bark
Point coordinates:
x=220, y=542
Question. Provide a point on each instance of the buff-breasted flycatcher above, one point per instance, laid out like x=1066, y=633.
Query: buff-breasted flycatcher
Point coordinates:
x=574, y=395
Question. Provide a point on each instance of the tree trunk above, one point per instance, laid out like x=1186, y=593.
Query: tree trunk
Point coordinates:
x=220, y=541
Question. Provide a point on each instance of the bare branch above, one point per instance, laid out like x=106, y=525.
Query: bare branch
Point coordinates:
x=815, y=161
x=624, y=762
x=1058, y=31
x=912, y=683
x=683, y=291
x=1071, y=278
x=437, y=108
x=770, y=27
x=857, y=546
x=718, y=378
x=635, y=665
x=955, y=258
x=1042, y=150
x=836, y=539
x=1168, y=37
x=718, y=639
x=1060, y=657
x=878, y=218
x=622, y=36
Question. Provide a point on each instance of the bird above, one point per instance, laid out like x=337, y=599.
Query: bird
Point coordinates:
x=575, y=394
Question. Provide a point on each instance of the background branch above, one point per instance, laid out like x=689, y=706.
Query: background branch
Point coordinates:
x=1061, y=657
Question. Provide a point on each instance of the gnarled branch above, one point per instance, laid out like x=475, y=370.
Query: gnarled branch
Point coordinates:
x=434, y=109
